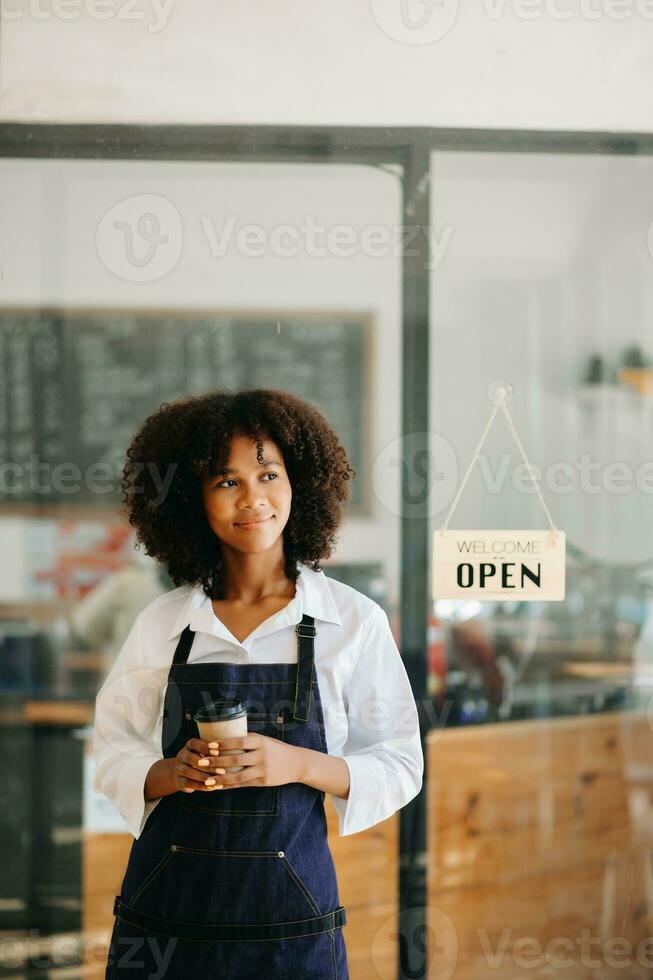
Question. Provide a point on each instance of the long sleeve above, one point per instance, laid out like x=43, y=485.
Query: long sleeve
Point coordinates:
x=127, y=731
x=383, y=748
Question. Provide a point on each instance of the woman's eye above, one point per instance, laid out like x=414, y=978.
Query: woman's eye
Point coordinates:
x=223, y=482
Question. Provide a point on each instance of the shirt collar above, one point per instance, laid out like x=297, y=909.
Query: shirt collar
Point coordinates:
x=313, y=596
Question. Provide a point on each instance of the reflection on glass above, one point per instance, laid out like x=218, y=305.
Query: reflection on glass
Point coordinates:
x=546, y=281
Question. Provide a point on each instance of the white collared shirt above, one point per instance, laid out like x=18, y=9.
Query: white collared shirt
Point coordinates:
x=369, y=710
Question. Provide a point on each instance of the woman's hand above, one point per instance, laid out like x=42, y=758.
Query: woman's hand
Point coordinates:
x=267, y=761
x=195, y=767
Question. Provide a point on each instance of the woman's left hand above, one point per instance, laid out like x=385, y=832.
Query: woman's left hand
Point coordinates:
x=267, y=761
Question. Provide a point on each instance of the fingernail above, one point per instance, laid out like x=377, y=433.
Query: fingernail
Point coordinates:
x=215, y=752
x=210, y=782
x=222, y=771
x=203, y=762
x=213, y=745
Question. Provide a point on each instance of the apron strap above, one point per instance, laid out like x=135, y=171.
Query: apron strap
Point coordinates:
x=183, y=646
x=246, y=933
x=306, y=633
x=305, y=656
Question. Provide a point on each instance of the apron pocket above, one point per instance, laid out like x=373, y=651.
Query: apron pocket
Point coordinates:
x=131, y=899
x=242, y=801
x=225, y=888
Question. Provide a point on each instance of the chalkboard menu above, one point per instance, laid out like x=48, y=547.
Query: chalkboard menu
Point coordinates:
x=75, y=386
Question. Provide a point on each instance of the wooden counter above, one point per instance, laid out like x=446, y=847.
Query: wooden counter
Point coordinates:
x=539, y=830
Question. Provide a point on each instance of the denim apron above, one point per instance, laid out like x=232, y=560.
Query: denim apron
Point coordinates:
x=235, y=883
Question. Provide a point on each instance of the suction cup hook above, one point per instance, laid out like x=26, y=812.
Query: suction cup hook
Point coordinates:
x=501, y=391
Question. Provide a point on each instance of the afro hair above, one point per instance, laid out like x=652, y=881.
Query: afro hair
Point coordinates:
x=189, y=439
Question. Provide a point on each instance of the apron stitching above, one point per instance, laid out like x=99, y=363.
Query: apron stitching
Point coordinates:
x=332, y=937
x=203, y=850
x=240, y=925
x=288, y=939
x=249, y=813
x=169, y=854
x=150, y=878
x=319, y=728
x=273, y=812
x=297, y=683
x=239, y=683
x=300, y=884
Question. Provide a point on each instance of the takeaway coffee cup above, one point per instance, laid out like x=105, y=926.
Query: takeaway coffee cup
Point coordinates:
x=222, y=719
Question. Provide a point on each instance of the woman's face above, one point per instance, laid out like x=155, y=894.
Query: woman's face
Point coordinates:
x=249, y=491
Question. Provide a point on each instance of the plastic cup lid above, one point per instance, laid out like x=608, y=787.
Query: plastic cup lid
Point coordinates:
x=222, y=710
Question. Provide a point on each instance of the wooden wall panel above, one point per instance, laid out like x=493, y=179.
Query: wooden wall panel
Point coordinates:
x=367, y=867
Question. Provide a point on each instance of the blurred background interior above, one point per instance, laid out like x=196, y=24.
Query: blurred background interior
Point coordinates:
x=382, y=225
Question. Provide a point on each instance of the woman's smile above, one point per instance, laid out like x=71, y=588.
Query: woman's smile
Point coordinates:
x=252, y=525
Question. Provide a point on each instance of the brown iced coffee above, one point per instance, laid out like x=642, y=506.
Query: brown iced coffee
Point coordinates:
x=222, y=719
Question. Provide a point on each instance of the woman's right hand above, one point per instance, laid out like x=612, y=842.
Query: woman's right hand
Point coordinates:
x=188, y=775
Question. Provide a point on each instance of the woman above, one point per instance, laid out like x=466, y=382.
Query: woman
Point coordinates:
x=230, y=874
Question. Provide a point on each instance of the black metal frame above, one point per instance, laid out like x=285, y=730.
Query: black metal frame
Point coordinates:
x=324, y=144
x=411, y=148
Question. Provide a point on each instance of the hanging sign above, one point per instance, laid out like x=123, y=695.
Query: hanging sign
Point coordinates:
x=521, y=565
x=527, y=566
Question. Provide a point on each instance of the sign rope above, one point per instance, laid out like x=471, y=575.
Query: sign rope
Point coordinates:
x=502, y=394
